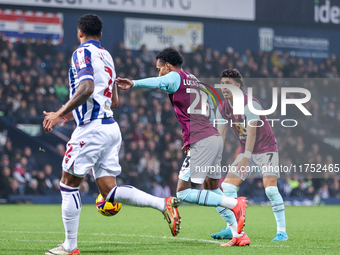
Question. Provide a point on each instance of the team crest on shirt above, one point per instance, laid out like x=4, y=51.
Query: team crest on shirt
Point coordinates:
x=82, y=143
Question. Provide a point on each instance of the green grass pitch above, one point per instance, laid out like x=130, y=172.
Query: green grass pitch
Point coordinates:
x=32, y=229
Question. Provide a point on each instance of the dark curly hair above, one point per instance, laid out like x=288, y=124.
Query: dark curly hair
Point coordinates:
x=232, y=73
x=171, y=56
x=91, y=25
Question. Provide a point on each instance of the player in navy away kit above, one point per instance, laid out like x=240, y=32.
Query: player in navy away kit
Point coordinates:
x=258, y=149
x=202, y=142
x=96, y=141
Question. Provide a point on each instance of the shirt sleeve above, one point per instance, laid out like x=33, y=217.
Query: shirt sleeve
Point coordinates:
x=169, y=82
x=251, y=117
x=83, y=63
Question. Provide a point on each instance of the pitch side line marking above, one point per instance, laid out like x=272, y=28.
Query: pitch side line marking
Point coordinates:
x=145, y=236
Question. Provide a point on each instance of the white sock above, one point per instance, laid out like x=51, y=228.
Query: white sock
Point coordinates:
x=228, y=202
x=233, y=228
x=70, y=211
x=131, y=196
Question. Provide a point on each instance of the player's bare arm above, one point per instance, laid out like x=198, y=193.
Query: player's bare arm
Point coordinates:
x=124, y=83
x=83, y=92
x=250, y=143
x=114, y=103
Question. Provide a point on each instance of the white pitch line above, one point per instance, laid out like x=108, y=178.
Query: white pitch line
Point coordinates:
x=145, y=236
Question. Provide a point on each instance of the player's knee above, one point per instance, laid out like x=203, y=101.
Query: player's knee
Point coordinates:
x=271, y=191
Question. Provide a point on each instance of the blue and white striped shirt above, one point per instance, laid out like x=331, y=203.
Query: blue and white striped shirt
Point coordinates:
x=92, y=62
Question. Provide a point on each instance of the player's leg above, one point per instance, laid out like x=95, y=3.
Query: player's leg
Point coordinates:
x=224, y=233
x=269, y=167
x=229, y=187
x=128, y=195
x=105, y=174
x=203, y=197
x=70, y=207
x=70, y=211
x=275, y=198
x=75, y=167
x=204, y=154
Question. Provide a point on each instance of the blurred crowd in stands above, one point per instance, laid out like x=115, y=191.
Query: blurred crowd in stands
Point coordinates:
x=34, y=78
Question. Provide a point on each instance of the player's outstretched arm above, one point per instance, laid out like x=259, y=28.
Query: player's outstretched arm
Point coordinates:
x=169, y=82
x=124, y=83
x=83, y=92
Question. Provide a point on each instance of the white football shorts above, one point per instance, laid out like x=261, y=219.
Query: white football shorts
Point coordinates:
x=267, y=163
x=94, y=146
